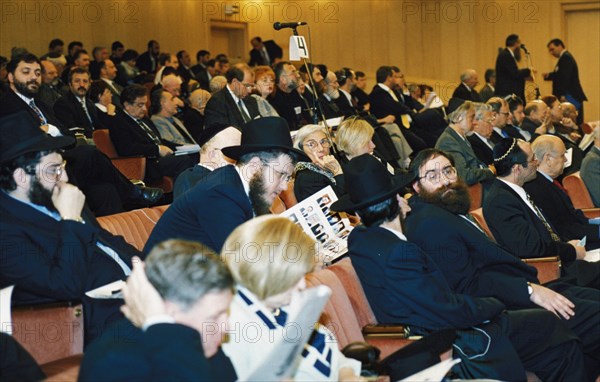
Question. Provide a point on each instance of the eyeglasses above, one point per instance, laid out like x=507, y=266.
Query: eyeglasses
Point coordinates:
x=266, y=81
x=51, y=171
x=433, y=176
x=283, y=176
x=313, y=145
x=248, y=86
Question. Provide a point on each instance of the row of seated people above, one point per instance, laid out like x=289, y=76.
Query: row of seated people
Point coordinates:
x=233, y=195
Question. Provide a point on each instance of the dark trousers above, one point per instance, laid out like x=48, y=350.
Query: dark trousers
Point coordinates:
x=170, y=165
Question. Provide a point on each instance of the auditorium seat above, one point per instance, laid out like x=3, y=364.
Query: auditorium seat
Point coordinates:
x=135, y=226
x=548, y=267
x=580, y=195
x=476, y=193
x=288, y=197
x=133, y=168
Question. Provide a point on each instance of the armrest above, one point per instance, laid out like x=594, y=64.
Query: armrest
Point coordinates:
x=548, y=268
x=542, y=260
x=131, y=167
x=591, y=213
x=380, y=330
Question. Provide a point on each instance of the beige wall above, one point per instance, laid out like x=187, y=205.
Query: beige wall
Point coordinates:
x=429, y=40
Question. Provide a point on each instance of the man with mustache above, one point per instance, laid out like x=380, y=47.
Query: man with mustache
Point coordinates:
x=231, y=195
x=475, y=265
x=404, y=286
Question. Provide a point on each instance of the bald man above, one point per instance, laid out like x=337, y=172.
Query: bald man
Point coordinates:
x=551, y=197
x=466, y=89
x=193, y=112
x=537, y=119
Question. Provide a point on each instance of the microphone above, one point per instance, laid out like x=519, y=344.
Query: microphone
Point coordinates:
x=277, y=26
x=524, y=49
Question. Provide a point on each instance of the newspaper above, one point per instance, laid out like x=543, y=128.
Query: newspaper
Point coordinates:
x=187, y=149
x=330, y=229
x=281, y=363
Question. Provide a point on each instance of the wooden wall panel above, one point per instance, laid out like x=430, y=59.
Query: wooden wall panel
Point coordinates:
x=430, y=40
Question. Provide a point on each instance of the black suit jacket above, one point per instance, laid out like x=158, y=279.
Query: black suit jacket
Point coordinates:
x=569, y=222
x=516, y=227
x=221, y=108
x=193, y=122
x=188, y=179
x=471, y=262
x=330, y=107
x=207, y=213
x=361, y=96
x=130, y=139
x=164, y=352
x=307, y=182
x=70, y=112
x=203, y=80
x=509, y=78
x=530, y=126
x=273, y=50
x=462, y=92
x=481, y=150
x=382, y=105
x=565, y=78
x=292, y=108
x=346, y=108
x=11, y=103
x=144, y=63
x=49, y=260
x=514, y=133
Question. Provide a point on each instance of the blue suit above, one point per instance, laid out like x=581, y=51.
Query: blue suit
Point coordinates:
x=207, y=213
x=50, y=260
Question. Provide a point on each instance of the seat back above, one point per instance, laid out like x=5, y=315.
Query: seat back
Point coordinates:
x=577, y=190
x=135, y=226
x=476, y=193
x=338, y=315
x=478, y=215
x=288, y=197
x=104, y=143
x=344, y=270
x=278, y=206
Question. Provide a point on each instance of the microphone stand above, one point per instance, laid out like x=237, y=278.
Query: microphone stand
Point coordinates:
x=318, y=110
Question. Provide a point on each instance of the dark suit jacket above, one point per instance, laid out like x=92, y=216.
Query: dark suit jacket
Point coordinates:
x=405, y=286
x=565, y=78
x=292, y=108
x=530, y=126
x=164, y=352
x=486, y=93
x=569, y=222
x=509, y=78
x=361, y=96
x=330, y=107
x=188, y=179
x=308, y=182
x=185, y=73
x=16, y=364
x=346, y=108
x=203, y=80
x=471, y=262
x=130, y=139
x=481, y=149
x=469, y=167
x=116, y=91
x=516, y=227
x=208, y=213
x=50, y=260
x=193, y=122
x=11, y=103
x=273, y=50
x=221, y=108
x=513, y=132
x=462, y=92
x=144, y=63
x=382, y=104
x=70, y=112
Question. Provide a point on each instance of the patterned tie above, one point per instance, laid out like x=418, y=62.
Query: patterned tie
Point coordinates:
x=185, y=135
x=87, y=113
x=539, y=214
x=245, y=115
x=149, y=132
x=39, y=113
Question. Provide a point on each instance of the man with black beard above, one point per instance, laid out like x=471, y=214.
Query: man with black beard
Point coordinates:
x=509, y=78
x=475, y=265
x=231, y=195
x=53, y=249
x=404, y=286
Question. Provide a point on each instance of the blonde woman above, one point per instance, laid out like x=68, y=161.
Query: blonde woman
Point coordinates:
x=354, y=138
x=268, y=257
x=323, y=170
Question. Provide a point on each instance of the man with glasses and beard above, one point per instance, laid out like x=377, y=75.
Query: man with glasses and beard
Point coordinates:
x=53, y=249
x=475, y=265
x=231, y=195
x=404, y=286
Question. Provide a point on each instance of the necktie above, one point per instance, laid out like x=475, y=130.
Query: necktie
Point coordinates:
x=39, y=113
x=87, y=113
x=245, y=115
x=393, y=95
x=149, y=132
x=557, y=184
x=539, y=214
x=183, y=131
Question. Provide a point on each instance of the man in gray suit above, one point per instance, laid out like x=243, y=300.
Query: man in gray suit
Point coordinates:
x=454, y=141
x=590, y=169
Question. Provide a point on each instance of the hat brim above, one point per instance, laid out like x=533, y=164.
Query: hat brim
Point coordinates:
x=45, y=144
x=235, y=152
x=344, y=203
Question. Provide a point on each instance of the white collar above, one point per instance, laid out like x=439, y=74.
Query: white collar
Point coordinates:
x=397, y=233
x=384, y=87
x=467, y=86
x=546, y=176
x=348, y=96
x=235, y=98
x=101, y=107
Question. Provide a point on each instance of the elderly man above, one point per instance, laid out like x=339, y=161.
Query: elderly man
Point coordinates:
x=163, y=107
x=176, y=307
x=330, y=95
x=193, y=112
x=537, y=119
x=211, y=158
x=53, y=248
x=52, y=87
x=466, y=89
x=404, y=285
x=232, y=195
x=75, y=110
x=286, y=100
x=454, y=141
x=480, y=140
x=475, y=265
x=231, y=105
x=551, y=197
x=519, y=224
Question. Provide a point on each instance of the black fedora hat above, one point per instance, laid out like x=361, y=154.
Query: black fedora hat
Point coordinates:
x=368, y=182
x=264, y=134
x=20, y=134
